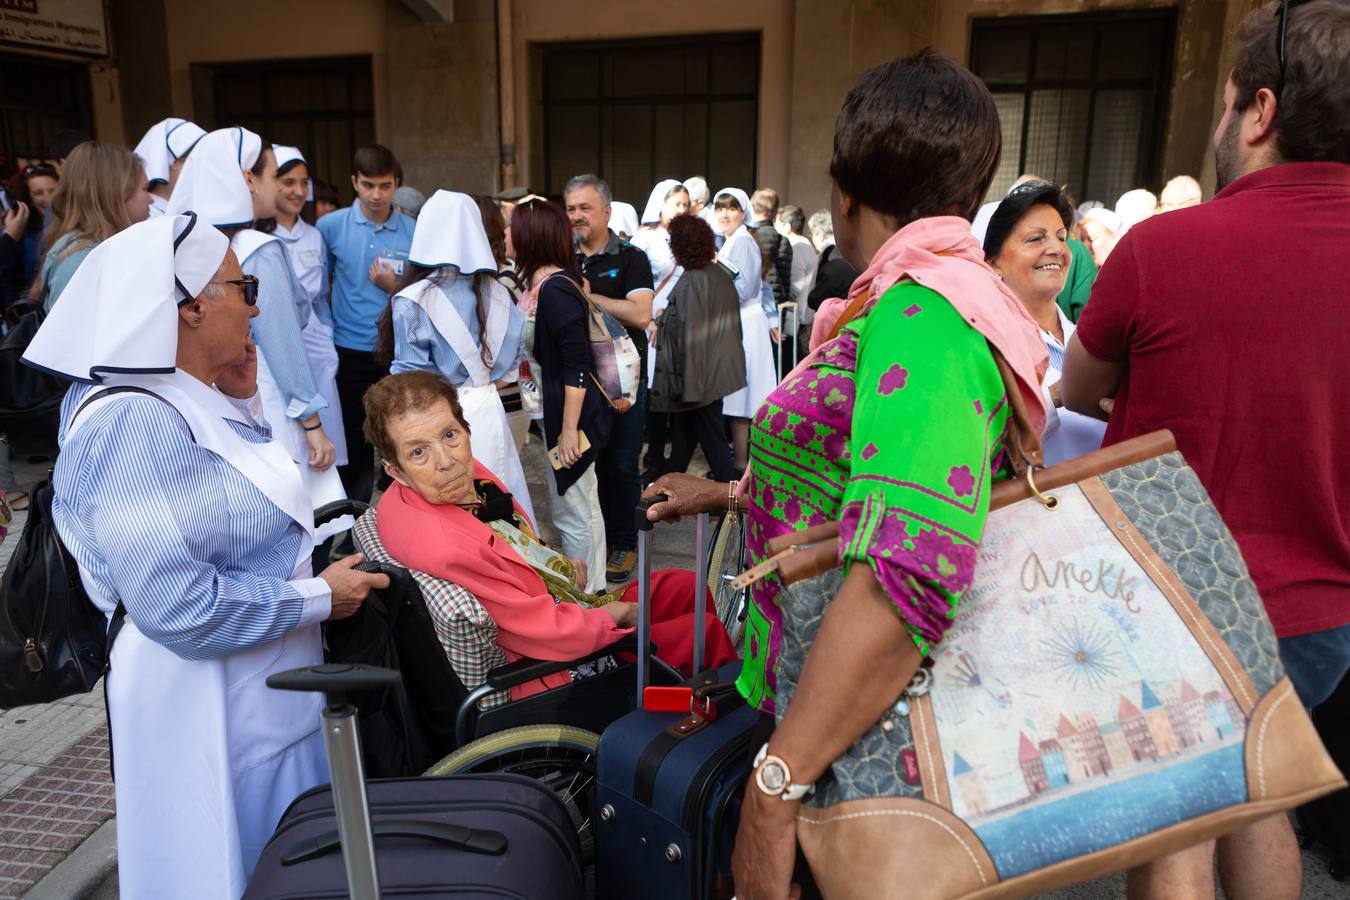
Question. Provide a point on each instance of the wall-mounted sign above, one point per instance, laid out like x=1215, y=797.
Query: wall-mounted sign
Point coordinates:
x=61, y=26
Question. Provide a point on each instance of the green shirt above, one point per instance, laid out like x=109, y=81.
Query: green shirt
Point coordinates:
x=896, y=433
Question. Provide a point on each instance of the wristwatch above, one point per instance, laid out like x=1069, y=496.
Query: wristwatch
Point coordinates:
x=773, y=777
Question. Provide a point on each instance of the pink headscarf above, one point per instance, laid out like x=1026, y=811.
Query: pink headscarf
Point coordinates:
x=940, y=253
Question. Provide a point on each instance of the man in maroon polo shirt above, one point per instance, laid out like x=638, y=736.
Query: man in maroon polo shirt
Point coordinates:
x=1229, y=323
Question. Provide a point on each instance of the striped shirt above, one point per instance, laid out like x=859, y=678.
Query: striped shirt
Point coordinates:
x=201, y=559
x=276, y=329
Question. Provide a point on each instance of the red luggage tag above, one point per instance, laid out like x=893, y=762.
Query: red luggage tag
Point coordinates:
x=667, y=699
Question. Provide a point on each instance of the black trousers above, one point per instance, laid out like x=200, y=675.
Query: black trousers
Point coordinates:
x=357, y=371
x=703, y=426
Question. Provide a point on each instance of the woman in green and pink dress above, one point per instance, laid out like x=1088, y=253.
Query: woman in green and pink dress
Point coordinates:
x=893, y=429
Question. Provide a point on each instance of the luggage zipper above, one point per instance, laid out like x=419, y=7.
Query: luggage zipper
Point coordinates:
x=693, y=805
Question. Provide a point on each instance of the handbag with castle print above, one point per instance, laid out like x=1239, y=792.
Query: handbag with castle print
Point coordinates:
x=1109, y=692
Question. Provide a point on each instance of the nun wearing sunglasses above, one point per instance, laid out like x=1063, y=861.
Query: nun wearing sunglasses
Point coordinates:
x=193, y=532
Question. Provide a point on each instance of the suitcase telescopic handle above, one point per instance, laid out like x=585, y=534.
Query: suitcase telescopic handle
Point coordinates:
x=336, y=681
x=640, y=514
x=644, y=528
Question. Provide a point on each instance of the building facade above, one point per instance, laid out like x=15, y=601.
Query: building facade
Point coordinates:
x=1105, y=95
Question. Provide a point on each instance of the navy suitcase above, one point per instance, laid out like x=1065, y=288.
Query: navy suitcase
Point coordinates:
x=499, y=836
x=669, y=784
x=454, y=836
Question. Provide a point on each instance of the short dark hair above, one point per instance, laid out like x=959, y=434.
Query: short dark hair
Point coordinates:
x=395, y=395
x=1312, y=118
x=917, y=137
x=64, y=141
x=376, y=159
x=1017, y=204
x=324, y=192
x=691, y=241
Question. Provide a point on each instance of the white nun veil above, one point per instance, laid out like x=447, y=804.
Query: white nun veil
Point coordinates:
x=119, y=314
x=651, y=215
x=623, y=218
x=450, y=232
x=287, y=155
x=163, y=144
x=212, y=181
x=741, y=197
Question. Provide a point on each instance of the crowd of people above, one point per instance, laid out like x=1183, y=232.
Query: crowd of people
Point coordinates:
x=276, y=350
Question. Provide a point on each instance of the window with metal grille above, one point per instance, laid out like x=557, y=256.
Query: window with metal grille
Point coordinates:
x=326, y=107
x=636, y=112
x=1082, y=98
x=38, y=98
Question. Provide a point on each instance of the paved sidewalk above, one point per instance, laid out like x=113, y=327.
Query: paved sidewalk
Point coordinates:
x=56, y=788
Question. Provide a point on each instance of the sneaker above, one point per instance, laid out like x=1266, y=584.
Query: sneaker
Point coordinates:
x=621, y=565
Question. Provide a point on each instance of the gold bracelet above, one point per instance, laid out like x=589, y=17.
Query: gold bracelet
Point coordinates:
x=731, y=496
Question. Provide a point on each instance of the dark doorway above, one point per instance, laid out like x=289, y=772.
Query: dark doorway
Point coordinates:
x=1082, y=97
x=38, y=98
x=326, y=107
x=634, y=112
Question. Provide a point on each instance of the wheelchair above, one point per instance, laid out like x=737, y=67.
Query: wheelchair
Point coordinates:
x=434, y=724
x=726, y=558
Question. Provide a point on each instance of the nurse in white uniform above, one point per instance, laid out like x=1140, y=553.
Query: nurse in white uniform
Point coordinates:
x=306, y=252
x=741, y=254
x=162, y=152
x=181, y=510
x=454, y=317
x=230, y=181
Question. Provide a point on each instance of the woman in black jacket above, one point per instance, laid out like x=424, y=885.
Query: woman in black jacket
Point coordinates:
x=573, y=409
x=699, y=354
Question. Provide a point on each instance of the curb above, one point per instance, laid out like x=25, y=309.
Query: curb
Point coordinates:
x=79, y=874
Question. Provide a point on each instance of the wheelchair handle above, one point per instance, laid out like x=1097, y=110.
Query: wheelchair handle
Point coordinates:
x=640, y=514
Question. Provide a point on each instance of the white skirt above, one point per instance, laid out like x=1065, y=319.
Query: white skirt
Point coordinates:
x=760, y=374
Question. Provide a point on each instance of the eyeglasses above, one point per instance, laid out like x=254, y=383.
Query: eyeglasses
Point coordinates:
x=249, y=285
x=1283, y=13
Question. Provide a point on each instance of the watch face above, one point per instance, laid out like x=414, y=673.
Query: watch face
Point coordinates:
x=772, y=777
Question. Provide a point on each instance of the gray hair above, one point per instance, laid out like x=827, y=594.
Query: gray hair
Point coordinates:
x=589, y=181
x=821, y=224
x=793, y=218
x=698, y=189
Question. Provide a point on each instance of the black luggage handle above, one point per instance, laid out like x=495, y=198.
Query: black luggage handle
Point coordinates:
x=640, y=513
x=336, y=681
x=472, y=840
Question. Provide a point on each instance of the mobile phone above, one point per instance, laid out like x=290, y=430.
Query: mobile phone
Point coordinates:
x=555, y=459
x=6, y=201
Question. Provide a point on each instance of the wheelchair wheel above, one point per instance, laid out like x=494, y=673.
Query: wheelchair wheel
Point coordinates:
x=726, y=560
x=560, y=756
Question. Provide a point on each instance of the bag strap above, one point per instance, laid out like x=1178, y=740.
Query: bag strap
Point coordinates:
x=664, y=281
x=120, y=613
x=1021, y=437
x=849, y=314
x=128, y=389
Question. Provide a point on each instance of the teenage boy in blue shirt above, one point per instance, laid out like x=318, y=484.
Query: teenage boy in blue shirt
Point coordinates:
x=368, y=245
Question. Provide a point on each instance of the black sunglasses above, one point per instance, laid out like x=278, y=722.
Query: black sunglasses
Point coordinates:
x=249, y=284
x=1283, y=13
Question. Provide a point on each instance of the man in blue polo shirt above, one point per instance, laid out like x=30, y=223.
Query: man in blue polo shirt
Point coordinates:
x=368, y=245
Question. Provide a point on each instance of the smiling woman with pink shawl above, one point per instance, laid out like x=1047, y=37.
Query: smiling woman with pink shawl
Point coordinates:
x=893, y=429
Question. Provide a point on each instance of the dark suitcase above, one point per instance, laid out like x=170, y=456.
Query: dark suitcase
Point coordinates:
x=457, y=836
x=1326, y=821
x=503, y=836
x=669, y=784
